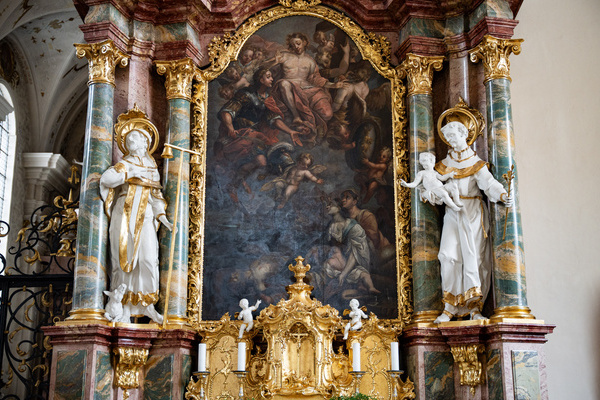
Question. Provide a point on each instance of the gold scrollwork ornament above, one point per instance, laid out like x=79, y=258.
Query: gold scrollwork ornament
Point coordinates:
x=419, y=72
x=129, y=362
x=102, y=57
x=494, y=52
x=467, y=358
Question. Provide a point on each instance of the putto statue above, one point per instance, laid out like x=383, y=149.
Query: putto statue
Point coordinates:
x=134, y=203
x=246, y=316
x=356, y=315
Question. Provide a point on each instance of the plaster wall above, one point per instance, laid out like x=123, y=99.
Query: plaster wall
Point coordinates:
x=556, y=105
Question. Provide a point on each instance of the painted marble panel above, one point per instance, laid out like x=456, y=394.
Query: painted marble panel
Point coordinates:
x=158, y=380
x=422, y=27
x=494, y=375
x=104, y=375
x=299, y=163
x=526, y=375
x=70, y=374
x=439, y=375
x=411, y=370
x=490, y=8
x=186, y=370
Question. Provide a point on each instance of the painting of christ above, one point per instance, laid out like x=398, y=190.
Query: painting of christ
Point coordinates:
x=299, y=162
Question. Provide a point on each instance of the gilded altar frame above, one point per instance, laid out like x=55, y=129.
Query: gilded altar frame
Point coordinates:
x=223, y=50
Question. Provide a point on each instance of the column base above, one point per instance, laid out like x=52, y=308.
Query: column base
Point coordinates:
x=512, y=313
x=85, y=316
x=425, y=317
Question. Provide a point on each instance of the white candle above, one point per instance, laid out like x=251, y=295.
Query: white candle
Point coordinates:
x=241, y=366
x=356, y=356
x=395, y=356
x=202, y=357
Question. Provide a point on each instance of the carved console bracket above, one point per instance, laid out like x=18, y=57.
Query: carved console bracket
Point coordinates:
x=469, y=365
x=128, y=363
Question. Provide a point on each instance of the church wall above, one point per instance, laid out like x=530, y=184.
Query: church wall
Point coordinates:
x=555, y=106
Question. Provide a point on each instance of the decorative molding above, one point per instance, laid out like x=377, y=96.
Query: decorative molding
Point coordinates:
x=419, y=72
x=179, y=75
x=102, y=57
x=494, y=52
x=467, y=358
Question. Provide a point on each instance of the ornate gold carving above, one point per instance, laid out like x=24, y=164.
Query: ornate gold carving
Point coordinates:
x=467, y=358
x=102, y=57
x=222, y=51
x=197, y=188
x=129, y=362
x=494, y=53
x=471, y=118
x=179, y=75
x=299, y=4
x=419, y=72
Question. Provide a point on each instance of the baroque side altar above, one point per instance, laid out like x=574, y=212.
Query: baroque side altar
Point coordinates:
x=299, y=129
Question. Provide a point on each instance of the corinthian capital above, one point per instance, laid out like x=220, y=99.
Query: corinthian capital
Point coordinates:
x=419, y=72
x=494, y=53
x=179, y=74
x=102, y=57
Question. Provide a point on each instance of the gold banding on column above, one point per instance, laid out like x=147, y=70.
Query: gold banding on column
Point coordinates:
x=103, y=57
x=494, y=52
x=179, y=75
x=419, y=72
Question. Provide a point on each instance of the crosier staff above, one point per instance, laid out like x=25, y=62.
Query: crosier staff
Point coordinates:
x=195, y=159
x=508, y=177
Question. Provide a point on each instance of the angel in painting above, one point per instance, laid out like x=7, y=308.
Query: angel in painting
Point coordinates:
x=289, y=182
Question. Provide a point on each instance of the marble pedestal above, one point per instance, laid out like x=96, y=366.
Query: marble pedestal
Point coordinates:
x=85, y=357
x=507, y=357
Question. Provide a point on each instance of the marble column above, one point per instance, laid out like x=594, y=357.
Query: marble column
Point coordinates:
x=91, y=263
x=510, y=288
x=425, y=226
x=179, y=75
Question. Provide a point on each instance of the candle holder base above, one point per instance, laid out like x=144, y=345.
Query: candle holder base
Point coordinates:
x=357, y=376
x=241, y=375
x=402, y=390
x=196, y=388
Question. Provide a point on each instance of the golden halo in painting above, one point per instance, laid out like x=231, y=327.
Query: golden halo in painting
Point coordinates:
x=135, y=119
x=471, y=118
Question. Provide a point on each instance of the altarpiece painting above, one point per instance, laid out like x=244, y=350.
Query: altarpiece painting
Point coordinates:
x=300, y=160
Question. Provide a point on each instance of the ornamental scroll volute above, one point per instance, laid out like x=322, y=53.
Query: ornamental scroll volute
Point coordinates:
x=299, y=333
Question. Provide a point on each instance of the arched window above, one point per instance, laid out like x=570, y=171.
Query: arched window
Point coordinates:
x=7, y=155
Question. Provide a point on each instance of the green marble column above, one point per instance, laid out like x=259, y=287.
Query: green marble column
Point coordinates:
x=91, y=263
x=179, y=75
x=510, y=287
x=425, y=225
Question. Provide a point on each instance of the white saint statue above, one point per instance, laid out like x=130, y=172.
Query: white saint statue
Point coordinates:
x=135, y=205
x=465, y=249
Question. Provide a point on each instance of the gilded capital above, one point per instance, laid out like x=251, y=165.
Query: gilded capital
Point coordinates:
x=102, y=57
x=179, y=75
x=419, y=72
x=129, y=362
x=494, y=53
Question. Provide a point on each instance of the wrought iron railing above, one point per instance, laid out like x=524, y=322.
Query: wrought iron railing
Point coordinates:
x=36, y=279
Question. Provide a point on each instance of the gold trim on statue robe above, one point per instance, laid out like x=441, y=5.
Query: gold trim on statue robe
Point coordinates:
x=443, y=169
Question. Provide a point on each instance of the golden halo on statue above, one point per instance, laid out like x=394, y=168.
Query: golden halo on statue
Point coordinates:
x=471, y=118
x=135, y=119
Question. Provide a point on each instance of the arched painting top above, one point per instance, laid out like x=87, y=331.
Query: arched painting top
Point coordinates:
x=208, y=127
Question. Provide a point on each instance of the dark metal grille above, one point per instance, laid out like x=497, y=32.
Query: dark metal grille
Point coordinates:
x=36, y=280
